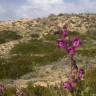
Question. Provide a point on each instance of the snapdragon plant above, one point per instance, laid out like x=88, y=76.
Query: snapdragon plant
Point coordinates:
x=70, y=45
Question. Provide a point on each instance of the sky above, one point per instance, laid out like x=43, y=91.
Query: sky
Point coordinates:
x=15, y=9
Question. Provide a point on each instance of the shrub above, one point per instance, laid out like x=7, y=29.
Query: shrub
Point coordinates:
x=15, y=67
x=33, y=47
x=6, y=36
x=10, y=91
x=35, y=36
x=87, y=52
x=50, y=37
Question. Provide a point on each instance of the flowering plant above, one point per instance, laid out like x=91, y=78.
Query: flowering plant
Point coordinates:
x=70, y=46
x=2, y=89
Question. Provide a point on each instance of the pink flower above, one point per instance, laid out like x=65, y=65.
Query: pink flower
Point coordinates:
x=70, y=85
x=67, y=85
x=76, y=42
x=81, y=70
x=81, y=73
x=2, y=89
x=71, y=51
x=61, y=43
x=65, y=33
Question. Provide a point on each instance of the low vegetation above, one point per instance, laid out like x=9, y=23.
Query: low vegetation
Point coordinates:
x=6, y=36
x=24, y=56
x=86, y=87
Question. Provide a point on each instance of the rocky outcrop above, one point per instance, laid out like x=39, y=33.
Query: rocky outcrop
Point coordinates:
x=76, y=22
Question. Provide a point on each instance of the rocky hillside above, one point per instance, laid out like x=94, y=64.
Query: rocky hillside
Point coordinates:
x=25, y=29
x=22, y=57
x=76, y=22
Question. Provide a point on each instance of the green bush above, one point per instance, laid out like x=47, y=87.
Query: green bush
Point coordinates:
x=15, y=67
x=35, y=36
x=6, y=36
x=33, y=47
x=51, y=37
x=87, y=52
x=74, y=33
x=10, y=91
x=38, y=91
